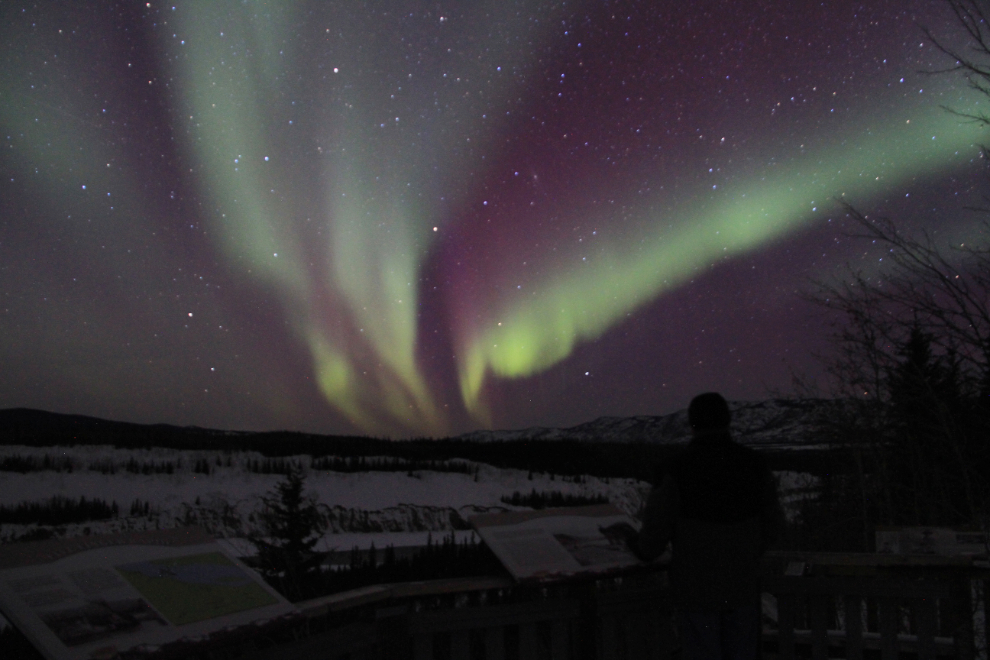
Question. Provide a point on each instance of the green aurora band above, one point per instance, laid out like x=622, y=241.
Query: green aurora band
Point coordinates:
x=359, y=317
x=531, y=332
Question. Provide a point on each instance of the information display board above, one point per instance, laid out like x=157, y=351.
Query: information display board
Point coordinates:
x=553, y=543
x=99, y=595
x=932, y=541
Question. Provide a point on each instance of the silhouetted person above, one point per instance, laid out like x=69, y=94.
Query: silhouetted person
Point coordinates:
x=717, y=504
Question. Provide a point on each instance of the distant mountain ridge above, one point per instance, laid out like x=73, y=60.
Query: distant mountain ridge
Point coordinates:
x=776, y=423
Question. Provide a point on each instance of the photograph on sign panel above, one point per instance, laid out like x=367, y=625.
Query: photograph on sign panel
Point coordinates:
x=556, y=542
x=196, y=587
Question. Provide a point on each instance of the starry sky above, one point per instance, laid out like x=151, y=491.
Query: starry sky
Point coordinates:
x=418, y=219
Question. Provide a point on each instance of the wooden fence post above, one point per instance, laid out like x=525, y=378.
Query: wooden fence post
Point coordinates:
x=495, y=643
x=529, y=643
x=962, y=599
x=460, y=645
x=785, y=626
x=559, y=641
x=423, y=646
x=818, y=625
x=925, y=614
x=609, y=638
x=854, y=627
x=889, y=627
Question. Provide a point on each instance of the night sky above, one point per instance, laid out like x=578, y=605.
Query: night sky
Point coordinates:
x=409, y=218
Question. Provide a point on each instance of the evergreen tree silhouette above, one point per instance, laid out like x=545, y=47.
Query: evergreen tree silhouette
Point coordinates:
x=292, y=525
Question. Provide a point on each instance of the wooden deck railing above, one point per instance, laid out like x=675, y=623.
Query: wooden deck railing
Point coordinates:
x=851, y=606
x=829, y=613
x=494, y=619
x=857, y=606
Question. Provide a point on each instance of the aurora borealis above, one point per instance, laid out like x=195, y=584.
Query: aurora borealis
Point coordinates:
x=411, y=219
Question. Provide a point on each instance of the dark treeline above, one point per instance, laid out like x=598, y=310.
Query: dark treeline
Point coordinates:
x=270, y=466
x=58, y=510
x=445, y=559
x=141, y=508
x=204, y=466
x=25, y=464
x=553, y=498
x=380, y=464
x=149, y=467
x=133, y=466
x=561, y=457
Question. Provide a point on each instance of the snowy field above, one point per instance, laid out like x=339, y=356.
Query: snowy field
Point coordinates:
x=361, y=506
x=384, y=508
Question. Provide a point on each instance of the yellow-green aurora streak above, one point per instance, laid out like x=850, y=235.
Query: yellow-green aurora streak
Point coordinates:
x=358, y=318
x=534, y=331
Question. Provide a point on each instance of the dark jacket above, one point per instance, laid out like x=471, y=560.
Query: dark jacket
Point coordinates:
x=717, y=503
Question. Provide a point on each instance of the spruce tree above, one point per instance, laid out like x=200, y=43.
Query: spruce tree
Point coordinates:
x=291, y=525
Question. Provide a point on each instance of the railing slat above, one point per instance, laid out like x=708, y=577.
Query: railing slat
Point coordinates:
x=984, y=585
x=854, y=627
x=633, y=642
x=962, y=599
x=819, y=638
x=925, y=615
x=423, y=646
x=460, y=645
x=785, y=625
x=888, y=628
x=650, y=625
x=608, y=638
x=559, y=641
x=666, y=638
x=529, y=643
x=495, y=643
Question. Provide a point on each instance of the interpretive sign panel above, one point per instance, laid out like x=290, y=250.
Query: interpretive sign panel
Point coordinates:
x=552, y=543
x=931, y=541
x=101, y=595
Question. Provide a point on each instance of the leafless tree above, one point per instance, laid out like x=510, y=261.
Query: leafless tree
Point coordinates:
x=972, y=58
x=922, y=447
x=944, y=292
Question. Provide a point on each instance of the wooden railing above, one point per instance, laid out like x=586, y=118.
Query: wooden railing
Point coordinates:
x=858, y=606
x=829, y=613
x=851, y=606
x=494, y=618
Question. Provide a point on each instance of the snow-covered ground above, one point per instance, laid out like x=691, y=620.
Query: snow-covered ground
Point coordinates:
x=360, y=506
x=396, y=508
